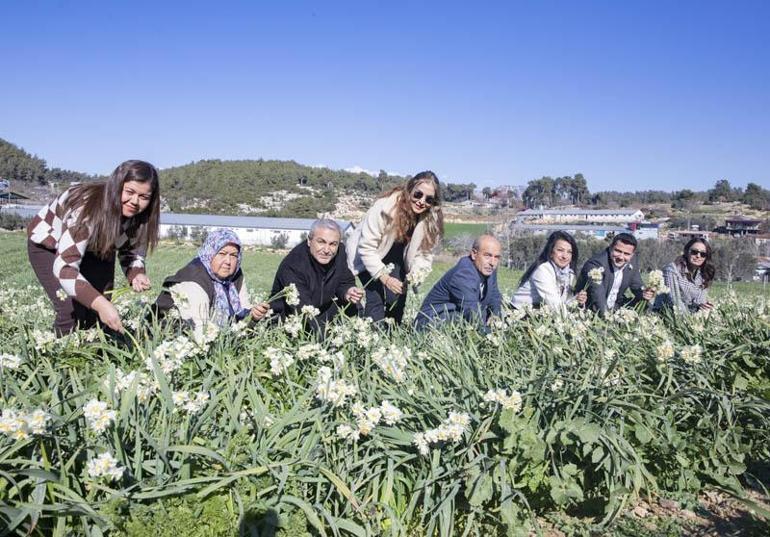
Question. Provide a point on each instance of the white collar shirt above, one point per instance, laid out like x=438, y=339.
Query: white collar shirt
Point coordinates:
x=617, y=275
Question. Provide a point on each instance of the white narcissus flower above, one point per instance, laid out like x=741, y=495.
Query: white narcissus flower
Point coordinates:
x=291, y=295
x=13, y=424
x=9, y=361
x=37, y=421
x=393, y=361
x=422, y=444
x=332, y=391
x=691, y=354
x=390, y=413
x=196, y=404
x=596, y=274
x=105, y=466
x=656, y=283
x=501, y=397
x=180, y=398
x=292, y=325
x=387, y=269
x=348, y=433
x=98, y=415
x=664, y=351
x=418, y=275
x=279, y=360
x=310, y=311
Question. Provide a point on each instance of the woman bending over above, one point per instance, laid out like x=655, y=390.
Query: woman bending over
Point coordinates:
x=72, y=244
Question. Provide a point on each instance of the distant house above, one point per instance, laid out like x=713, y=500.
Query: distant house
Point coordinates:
x=739, y=226
x=252, y=230
x=644, y=230
x=599, y=216
x=687, y=234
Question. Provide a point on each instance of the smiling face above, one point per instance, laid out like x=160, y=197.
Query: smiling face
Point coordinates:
x=135, y=197
x=324, y=244
x=621, y=254
x=561, y=254
x=422, y=196
x=697, y=254
x=487, y=256
x=225, y=262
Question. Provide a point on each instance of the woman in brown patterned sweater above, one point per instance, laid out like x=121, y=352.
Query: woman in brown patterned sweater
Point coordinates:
x=73, y=243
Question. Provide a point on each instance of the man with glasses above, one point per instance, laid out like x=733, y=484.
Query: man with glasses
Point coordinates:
x=610, y=273
x=468, y=290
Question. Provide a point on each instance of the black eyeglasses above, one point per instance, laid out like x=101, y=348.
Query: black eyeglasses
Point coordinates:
x=429, y=200
x=699, y=253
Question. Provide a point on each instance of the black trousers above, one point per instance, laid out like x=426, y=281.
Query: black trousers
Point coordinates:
x=381, y=302
x=70, y=314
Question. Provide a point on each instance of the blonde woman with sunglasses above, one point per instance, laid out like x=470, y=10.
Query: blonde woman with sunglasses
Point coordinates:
x=396, y=237
x=688, y=279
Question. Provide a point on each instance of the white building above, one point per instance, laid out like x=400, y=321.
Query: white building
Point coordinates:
x=252, y=230
x=640, y=231
x=599, y=216
x=596, y=231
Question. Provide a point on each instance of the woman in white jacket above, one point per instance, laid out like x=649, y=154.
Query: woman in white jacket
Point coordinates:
x=549, y=280
x=400, y=229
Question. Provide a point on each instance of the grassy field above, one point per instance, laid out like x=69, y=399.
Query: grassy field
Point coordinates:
x=260, y=265
x=455, y=229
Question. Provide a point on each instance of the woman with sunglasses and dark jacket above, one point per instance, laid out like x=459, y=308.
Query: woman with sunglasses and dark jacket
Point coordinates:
x=396, y=238
x=688, y=279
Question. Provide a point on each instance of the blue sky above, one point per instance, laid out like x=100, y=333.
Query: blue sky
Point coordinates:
x=634, y=95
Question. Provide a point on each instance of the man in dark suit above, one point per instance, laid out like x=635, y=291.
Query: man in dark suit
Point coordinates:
x=468, y=290
x=610, y=273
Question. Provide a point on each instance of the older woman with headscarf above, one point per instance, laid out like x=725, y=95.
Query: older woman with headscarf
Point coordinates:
x=210, y=288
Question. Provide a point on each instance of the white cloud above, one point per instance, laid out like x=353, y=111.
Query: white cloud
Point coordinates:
x=359, y=169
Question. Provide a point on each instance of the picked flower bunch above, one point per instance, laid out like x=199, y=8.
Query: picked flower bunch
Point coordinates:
x=656, y=283
x=289, y=293
x=418, y=275
x=596, y=274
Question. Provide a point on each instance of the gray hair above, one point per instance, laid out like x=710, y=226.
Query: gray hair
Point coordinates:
x=477, y=242
x=324, y=223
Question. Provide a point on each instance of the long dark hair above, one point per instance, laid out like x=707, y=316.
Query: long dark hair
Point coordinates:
x=404, y=220
x=707, y=270
x=545, y=255
x=102, y=208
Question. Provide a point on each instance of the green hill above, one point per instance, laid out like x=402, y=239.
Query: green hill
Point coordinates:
x=17, y=165
x=267, y=187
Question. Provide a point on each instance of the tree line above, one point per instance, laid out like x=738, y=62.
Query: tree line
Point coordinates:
x=18, y=165
x=235, y=186
x=572, y=190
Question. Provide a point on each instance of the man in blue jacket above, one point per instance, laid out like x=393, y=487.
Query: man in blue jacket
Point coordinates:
x=468, y=291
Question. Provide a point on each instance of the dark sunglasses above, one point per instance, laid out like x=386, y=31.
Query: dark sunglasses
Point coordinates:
x=429, y=200
x=699, y=253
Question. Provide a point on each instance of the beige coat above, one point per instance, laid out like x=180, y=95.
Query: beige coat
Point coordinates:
x=369, y=243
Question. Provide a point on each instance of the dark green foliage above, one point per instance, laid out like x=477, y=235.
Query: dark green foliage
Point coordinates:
x=12, y=221
x=18, y=165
